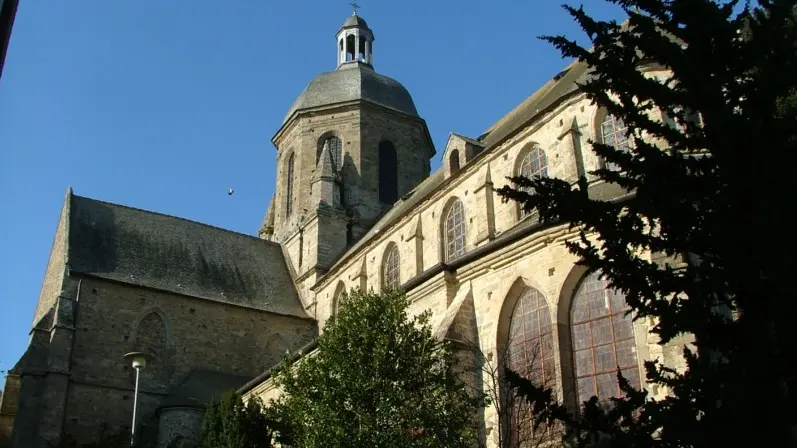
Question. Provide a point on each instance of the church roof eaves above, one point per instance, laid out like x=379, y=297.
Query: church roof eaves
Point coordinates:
x=176, y=255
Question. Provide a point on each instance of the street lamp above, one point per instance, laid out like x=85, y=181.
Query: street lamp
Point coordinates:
x=139, y=361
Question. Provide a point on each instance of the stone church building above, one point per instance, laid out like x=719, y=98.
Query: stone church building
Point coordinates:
x=356, y=206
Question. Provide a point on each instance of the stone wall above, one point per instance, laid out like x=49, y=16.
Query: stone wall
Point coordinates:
x=185, y=333
x=179, y=423
x=538, y=259
x=54, y=275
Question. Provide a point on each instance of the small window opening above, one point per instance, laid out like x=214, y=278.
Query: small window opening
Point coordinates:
x=350, y=50
x=453, y=161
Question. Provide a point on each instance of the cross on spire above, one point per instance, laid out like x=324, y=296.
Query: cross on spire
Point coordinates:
x=355, y=6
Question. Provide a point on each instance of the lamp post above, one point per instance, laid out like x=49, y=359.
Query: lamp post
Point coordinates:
x=139, y=361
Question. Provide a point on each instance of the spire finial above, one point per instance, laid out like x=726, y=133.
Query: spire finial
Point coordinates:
x=355, y=5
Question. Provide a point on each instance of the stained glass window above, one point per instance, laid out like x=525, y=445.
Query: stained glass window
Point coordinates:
x=534, y=164
x=603, y=339
x=613, y=133
x=390, y=268
x=530, y=354
x=455, y=231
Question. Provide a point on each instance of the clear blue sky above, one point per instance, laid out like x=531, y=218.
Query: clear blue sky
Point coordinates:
x=163, y=105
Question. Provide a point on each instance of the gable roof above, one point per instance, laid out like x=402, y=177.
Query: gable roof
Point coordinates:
x=547, y=96
x=149, y=249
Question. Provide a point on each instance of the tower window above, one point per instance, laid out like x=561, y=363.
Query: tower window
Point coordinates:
x=335, y=151
x=388, y=176
x=350, y=47
x=454, y=231
x=603, y=339
x=453, y=161
x=289, y=187
x=390, y=268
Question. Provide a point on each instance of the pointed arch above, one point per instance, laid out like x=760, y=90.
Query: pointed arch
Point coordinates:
x=526, y=345
x=603, y=339
x=151, y=334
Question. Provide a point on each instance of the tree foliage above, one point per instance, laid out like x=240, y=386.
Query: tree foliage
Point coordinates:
x=379, y=379
x=714, y=191
x=231, y=423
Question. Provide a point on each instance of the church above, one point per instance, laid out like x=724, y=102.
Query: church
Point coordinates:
x=355, y=206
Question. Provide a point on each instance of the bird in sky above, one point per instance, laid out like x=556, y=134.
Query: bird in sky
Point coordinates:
x=229, y=192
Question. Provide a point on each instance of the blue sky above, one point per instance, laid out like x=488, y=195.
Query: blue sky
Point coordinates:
x=163, y=105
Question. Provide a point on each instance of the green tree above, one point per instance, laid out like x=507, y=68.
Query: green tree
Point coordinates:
x=713, y=191
x=229, y=423
x=378, y=379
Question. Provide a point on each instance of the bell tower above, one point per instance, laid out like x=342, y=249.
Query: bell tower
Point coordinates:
x=350, y=146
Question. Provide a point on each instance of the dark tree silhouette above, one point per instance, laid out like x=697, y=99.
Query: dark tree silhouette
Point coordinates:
x=703, y=246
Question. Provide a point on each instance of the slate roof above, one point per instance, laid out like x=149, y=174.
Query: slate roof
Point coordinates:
x=149, y=249
x=350, y=82
x=354, y=21
x=544, y=98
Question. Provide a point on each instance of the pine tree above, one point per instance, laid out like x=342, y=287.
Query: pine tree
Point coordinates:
x=378, y=379
x=713, y=191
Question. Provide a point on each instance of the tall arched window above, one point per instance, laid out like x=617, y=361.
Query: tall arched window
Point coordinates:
x=337, y=297
x=289, y=187
x=453, y=161
x=534, y=164
x=614, y=133
x=454, y=231
x=388, y=175
x=391, y=268
x=530, y=353
x=603, y=339
x=335, y=150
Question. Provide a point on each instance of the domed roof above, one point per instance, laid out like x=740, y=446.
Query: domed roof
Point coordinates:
x=350, y=82
x=354, y=20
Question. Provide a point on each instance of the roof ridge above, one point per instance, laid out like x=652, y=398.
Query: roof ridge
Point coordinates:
x=174, y=217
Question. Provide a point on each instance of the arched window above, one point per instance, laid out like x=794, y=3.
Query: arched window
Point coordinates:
x=603, y=339
x=337, y=297
x=335, y=150
x=454, y=231
x=350, y=50
x=614, y=133
x=530, y=353
x=390, y=268
x=453, y=161
x=533, y=165
x=289, y=187
x=388, y=176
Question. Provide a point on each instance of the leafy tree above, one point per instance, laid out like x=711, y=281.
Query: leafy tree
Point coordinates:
x=379, y=379
x=712, y=191
x=229, y=423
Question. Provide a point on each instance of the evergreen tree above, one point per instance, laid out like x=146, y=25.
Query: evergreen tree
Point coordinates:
x=378, y=379
x=713, y=191
x=229, y=423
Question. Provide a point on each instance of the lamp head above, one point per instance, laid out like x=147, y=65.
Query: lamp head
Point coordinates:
x=138, y=360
